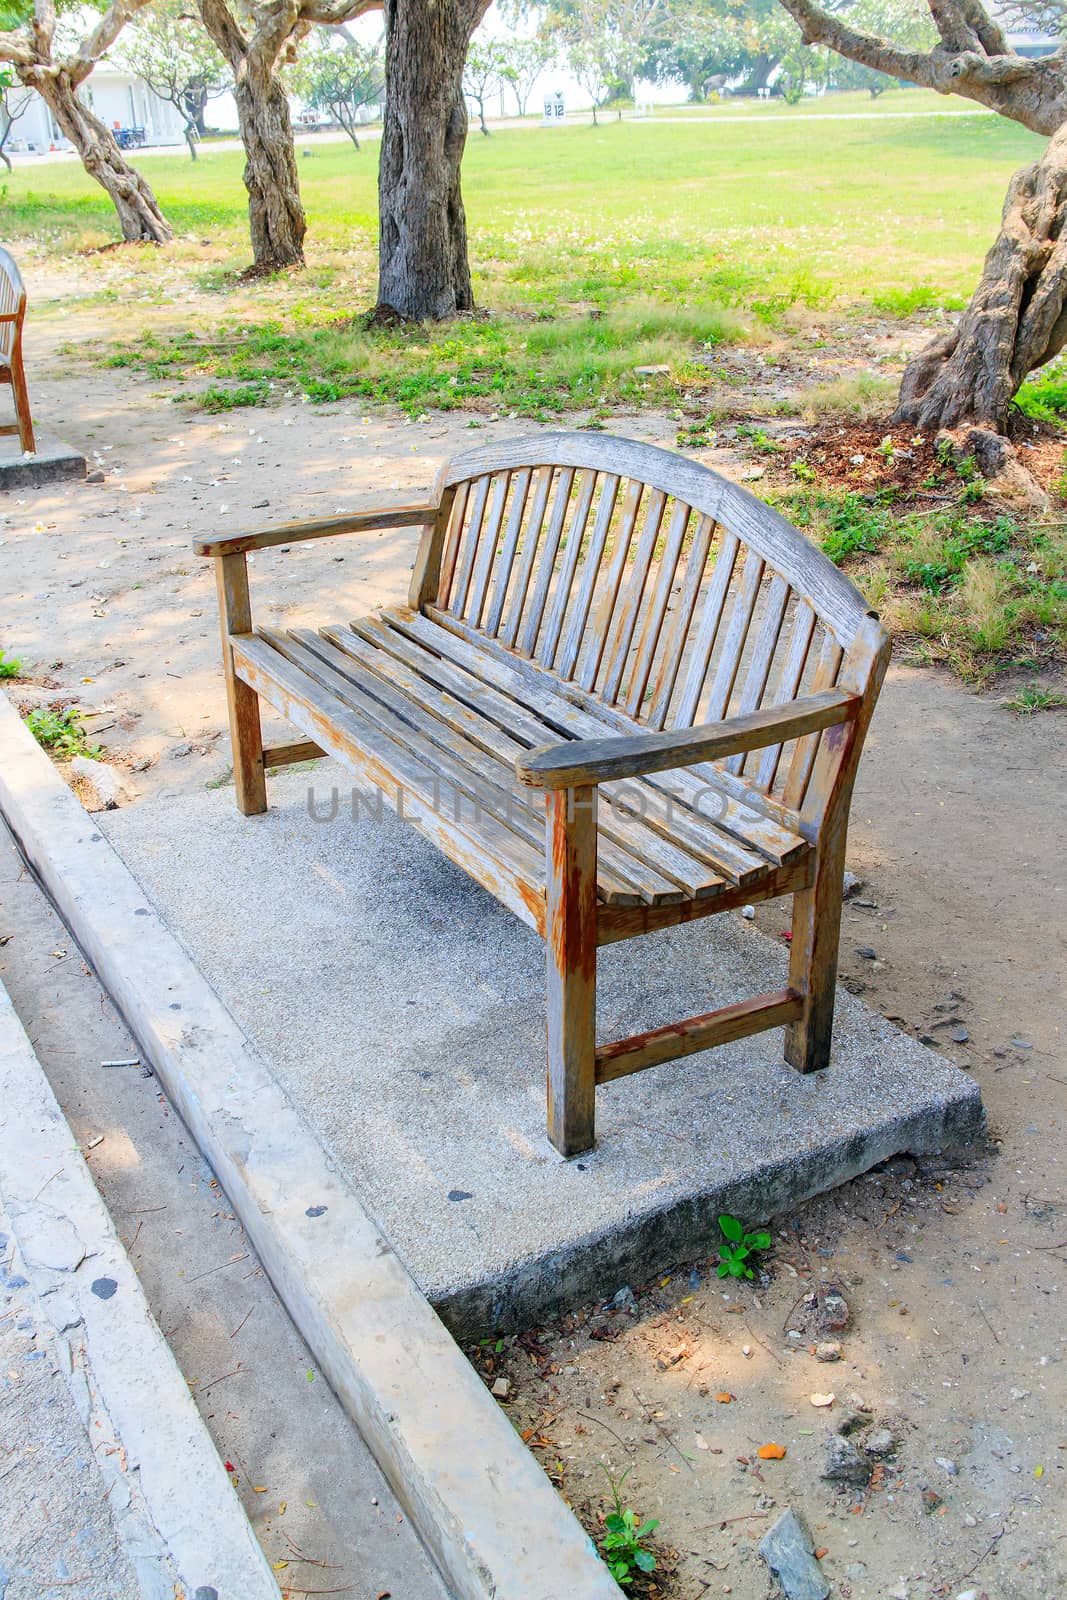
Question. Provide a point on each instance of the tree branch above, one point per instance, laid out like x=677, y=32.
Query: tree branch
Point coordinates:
x=330, y=13
x=990, y=34
x=103, y=36
x=950, y=23
x=44, y=27
x=1030, y=91
x=14, y=48
x=222, y=28
x=820, y=27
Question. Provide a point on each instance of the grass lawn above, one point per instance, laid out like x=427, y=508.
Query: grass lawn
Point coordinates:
x=635, y=243
x=597, y=250
x=672, y=229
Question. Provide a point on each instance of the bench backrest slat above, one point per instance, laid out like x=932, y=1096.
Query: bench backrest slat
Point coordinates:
x=520, y=489
x=12, y=302
x=579, y=613
x=650, y=582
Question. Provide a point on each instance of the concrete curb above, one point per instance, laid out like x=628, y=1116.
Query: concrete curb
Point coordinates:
x=53, y=462
x=174, y=1506
x=490, y=1518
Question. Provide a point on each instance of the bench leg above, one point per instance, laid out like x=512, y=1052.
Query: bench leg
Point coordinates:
x=22, y=404
x=813, y=961
x=246, y=737
x=571, y=941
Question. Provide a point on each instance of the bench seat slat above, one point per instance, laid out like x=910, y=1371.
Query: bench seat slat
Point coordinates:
x=509, y=869
x=467, y=771
x=678, y=820
x=662, y=868
x=765, y=824
x=437, y=719
x=739, y=850
x=481, y=780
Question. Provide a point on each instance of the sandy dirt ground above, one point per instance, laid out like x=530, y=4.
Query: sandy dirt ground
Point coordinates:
x=954, y=1280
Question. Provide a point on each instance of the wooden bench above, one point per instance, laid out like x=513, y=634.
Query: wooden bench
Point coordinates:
x=12, y=316
x=623, y=694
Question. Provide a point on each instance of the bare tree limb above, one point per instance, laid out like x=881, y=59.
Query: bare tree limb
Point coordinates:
x=223, y=29
x=44, y=25
x=103, y=36
x=990, y=34
x=16, y=50
x=331, y=13
x=956, y=34
x=1030, y=91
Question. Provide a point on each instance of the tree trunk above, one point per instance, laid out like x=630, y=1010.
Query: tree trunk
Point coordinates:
x=275, y=214
x=139, y=214
x=423, y=272
x=759, y=74
x=194, y=104
x=1017, y=318
x=190, y=138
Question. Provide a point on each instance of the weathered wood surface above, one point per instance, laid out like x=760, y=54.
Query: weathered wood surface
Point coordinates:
x=602, y=760
x=12, y=369
x=370, y=519
x=570, y=850
x=679, y=1039
x=624, y=695
x=287, y=755
x=246, y=738
x=486, y=851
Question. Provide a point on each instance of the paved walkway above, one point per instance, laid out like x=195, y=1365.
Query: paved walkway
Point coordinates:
x=309, y=1486
x=56, y=1526
x=723, y=116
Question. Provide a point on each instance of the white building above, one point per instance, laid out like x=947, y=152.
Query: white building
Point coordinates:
x=118, y=99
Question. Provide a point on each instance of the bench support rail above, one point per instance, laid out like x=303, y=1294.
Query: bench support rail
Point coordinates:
x=287, y=755
x=678, y=1039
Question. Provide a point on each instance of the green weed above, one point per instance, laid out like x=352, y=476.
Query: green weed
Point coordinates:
x=61, y=732
x=624, y=1534
x=738, y=1248
x=1031, y=700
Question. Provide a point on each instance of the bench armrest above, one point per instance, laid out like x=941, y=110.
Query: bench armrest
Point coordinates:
x=581, y=762
x=389, y=515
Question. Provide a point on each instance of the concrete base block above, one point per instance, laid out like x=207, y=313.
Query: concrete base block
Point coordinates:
x=54, y=462
x=403, y=1010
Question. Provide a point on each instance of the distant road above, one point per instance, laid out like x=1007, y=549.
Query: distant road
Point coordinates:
x=722, y=117
x=815, y=116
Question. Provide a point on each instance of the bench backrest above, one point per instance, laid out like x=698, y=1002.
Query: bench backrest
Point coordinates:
x=648, y=581
x=12, y=302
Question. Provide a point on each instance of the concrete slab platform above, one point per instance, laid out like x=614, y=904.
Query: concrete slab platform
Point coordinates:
x=403, y=1011
x=53, y=462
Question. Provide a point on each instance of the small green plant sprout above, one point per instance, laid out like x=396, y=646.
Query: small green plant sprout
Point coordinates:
x=1033, y=699
x=622, y=1542
x=10, y=666
x=887, y=448
x=737, y=1249
x=62, y=732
